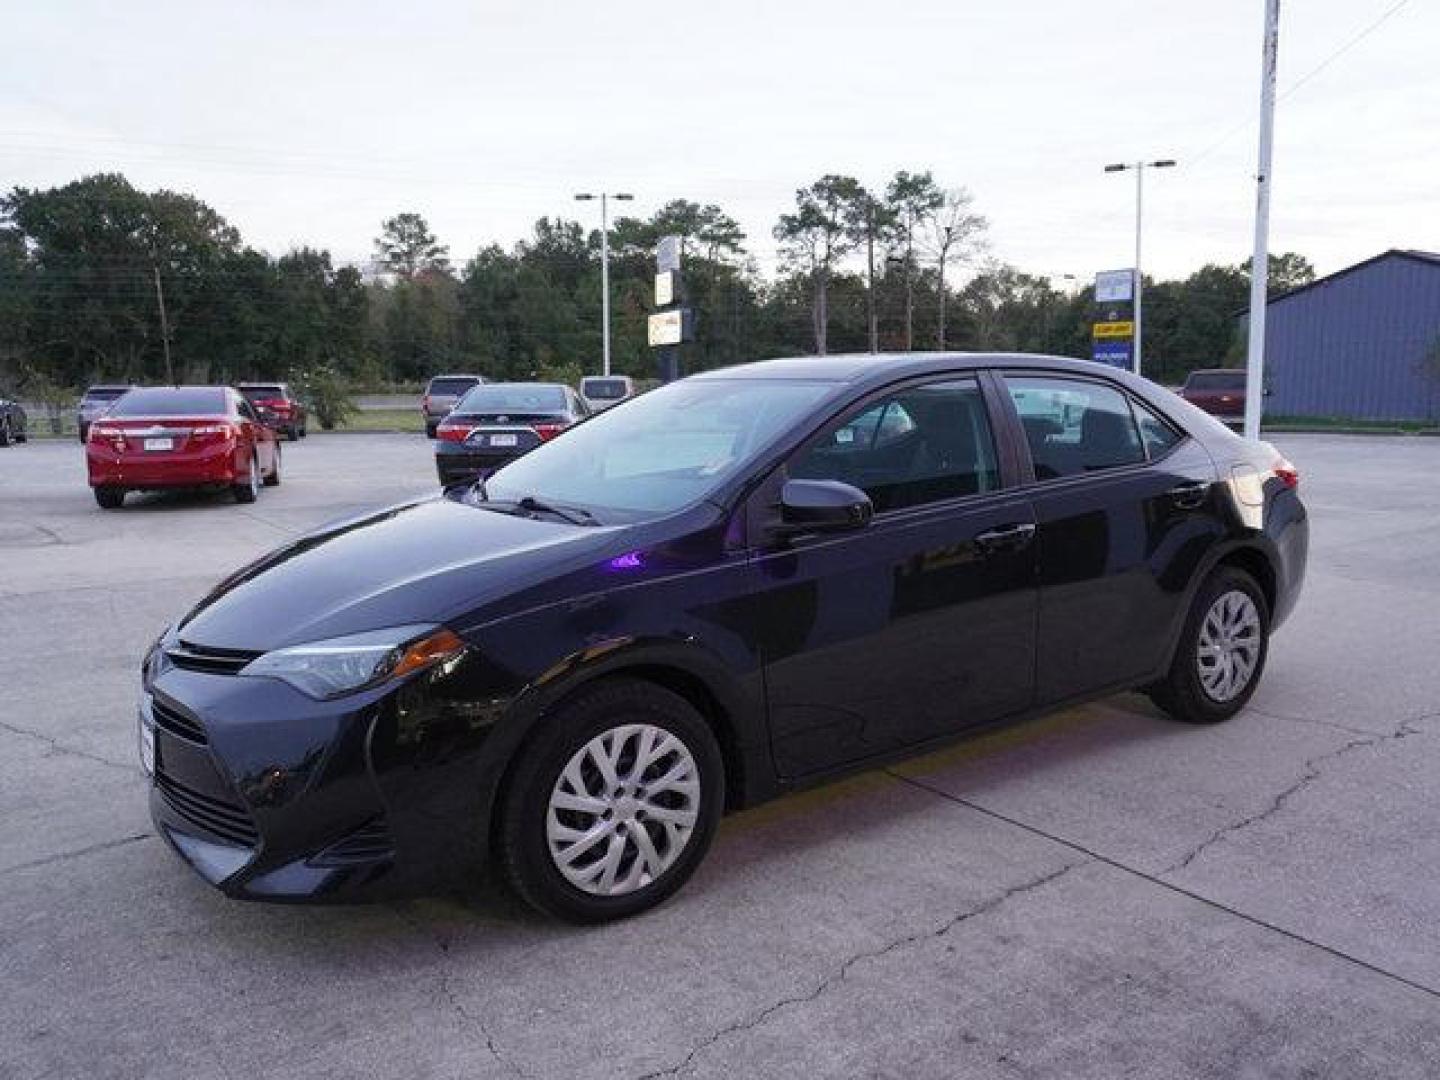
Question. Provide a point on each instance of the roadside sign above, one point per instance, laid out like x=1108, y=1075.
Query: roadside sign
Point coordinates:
x=667, y=254
x=665, y=288
x=1114, y=286
x=1115, y=353
x=1108, y=331
x=671, y=327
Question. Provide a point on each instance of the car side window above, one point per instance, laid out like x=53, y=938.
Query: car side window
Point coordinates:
x=919, y=445
x=245, y=410
x=1075, y=426
x=1155, y=433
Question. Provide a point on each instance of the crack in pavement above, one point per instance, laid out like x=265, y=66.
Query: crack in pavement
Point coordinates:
x=842, y=972
x=447, y=990
x=105, y=845
x=60, y=748
x=1313, y=769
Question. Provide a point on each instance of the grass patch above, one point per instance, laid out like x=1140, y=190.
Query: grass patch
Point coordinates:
x=1341, y=423
x=382, y=420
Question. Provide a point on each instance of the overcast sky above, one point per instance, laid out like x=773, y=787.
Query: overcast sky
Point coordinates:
x=310, y=122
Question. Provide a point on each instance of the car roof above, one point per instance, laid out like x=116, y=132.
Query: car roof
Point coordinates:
x=112, y=386
x=542, y=385
x=884, y=367
x=457, y=375
x=260, y=382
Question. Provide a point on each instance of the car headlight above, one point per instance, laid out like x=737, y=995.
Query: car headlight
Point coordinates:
x=343, y=665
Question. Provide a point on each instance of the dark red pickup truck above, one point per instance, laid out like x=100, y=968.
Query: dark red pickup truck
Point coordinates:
x=1219, y=391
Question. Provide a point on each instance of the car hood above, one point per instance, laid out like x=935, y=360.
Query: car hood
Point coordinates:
x=423, y=562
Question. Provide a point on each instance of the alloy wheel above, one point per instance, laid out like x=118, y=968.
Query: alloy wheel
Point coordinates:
x=1229, y=647
x=623, y=809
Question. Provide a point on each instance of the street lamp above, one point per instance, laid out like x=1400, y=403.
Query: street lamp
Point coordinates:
x=604, y=198
x=1139, y=284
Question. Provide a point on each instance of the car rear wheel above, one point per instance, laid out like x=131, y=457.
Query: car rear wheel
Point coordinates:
x=5, y=432
x=110, y=498
x=613, y=805
x=273, y=480
x=249, y=490
x=430, y=429
x=1221, y=654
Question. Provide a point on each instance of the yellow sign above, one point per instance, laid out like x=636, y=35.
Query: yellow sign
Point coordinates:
x=1111, y=330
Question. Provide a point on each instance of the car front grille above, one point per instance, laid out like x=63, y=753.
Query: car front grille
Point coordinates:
x=369, y=843
x=178, y=723
x=192, y=657
x=225, y=819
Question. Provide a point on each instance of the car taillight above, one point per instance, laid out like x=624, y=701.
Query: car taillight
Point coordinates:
x=214, y=433
x=453, y=432
x=548, y=431
x=1287, y=473
x=113, y=437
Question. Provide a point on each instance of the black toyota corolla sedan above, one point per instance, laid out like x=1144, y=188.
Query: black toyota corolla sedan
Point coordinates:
x=735, y=585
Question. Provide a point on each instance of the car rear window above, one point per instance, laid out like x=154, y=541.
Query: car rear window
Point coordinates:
x=173, y=401
x=256, y=393
x=604, y=389
x=1215, y=380
x=451, y=387
x=106, y=393
x=519, y=398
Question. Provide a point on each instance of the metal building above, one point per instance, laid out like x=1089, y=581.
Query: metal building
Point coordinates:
x=1362, y=343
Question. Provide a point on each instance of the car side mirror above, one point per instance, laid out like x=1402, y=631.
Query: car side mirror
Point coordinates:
x=823, y=506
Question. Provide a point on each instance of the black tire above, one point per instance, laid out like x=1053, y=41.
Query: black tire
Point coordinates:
x=273, y=480
x=248, y=491
x=303, y=431
x=292, y=433
x=110, y=498
x=430, y=429
x=4, y=432
x=1182, y=693
x=522, y=843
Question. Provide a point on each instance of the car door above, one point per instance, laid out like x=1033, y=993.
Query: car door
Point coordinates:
x=259, y=437
x=1126, y=515
x=922, y=622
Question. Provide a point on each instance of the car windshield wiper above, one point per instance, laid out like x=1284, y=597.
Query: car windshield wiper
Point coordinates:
x=529, y=505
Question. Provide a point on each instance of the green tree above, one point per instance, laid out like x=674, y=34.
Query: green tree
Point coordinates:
x=815, y=237
x=913, y=198
x=406, y=247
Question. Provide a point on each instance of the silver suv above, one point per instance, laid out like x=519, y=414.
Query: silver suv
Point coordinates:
x=442, y=395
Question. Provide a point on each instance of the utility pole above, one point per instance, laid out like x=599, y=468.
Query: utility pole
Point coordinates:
x=1139, y=278
x=164, y=326
x=604, y=198
x=870, y=283
x=1260, y=264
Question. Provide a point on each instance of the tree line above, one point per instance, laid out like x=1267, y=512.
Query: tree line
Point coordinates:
x=85, y=267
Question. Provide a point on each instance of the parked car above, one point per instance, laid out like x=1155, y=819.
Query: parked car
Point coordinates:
x=13, y=422
x=1219, y=391
x=442, y=395
x=602, y=391
x=286, y=412
x=497, y=422
x=157, y=438
x=96, y=402
x=699, y=601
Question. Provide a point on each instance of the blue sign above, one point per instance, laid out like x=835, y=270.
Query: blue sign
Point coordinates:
x=1115, y=353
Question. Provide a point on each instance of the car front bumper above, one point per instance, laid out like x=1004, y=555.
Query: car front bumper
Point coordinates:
x=270, y=795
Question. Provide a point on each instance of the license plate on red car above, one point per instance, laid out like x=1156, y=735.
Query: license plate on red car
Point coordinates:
x=159, y=444
x=502, y=440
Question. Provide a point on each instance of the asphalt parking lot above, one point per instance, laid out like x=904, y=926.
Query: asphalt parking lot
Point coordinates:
x=1099, y=893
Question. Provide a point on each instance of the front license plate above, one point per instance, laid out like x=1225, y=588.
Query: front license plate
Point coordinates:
x=502, y=440
x=159, y=444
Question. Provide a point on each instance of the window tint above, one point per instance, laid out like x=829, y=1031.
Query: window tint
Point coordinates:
x=1074, y=426
x=1157, y=435
x=106, y=393
x=176, y=401
x=919, y=445
x=514, y=398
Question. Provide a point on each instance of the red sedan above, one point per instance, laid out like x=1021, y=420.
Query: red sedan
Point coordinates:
x=158, y=438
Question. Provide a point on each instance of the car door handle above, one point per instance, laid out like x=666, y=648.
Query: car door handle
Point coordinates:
x=1189, y=496
x=1006, y=537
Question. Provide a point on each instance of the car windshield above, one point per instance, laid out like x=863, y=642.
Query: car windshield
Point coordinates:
x=179, y=401
x=659, y=452
x=603, y=389
x=450, y=387
x=516, y=398
x=1216, y=380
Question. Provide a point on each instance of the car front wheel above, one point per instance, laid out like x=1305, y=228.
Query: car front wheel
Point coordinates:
x=1221, y=654
x=614, y=803
x=110, y=498
x=249, y=489
x=273, y=479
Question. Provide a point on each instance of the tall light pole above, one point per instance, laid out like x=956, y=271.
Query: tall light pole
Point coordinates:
x=1139, y=168
x=1260, y=264
x=604, y=198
